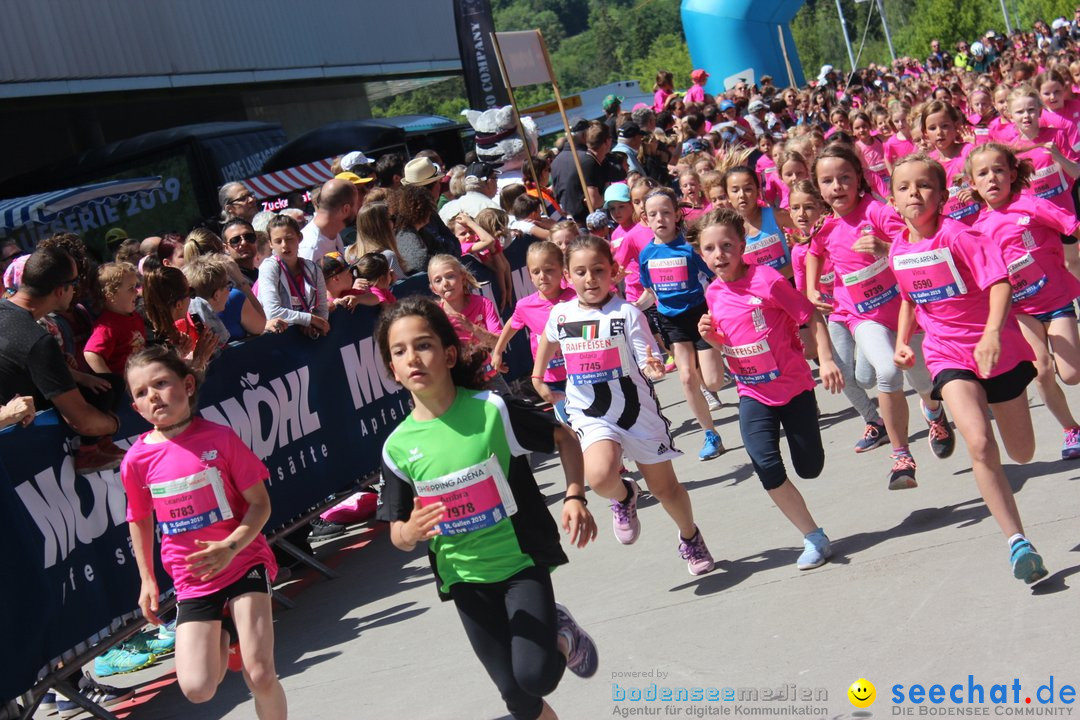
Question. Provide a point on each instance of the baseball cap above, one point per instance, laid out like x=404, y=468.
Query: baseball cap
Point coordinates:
x=579, y=125
x=756, y=105
x=699, y=75
x=353, y=178
x=480, y=171
x=611, y=101
x=725, y=105
x=349, y=161
x=616, y=192
x=115, y=236
x=597, y=219
x=1059, y=23
x=630, y=130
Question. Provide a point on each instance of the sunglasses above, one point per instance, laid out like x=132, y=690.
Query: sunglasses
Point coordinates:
x=243, y=198
x=248, y=237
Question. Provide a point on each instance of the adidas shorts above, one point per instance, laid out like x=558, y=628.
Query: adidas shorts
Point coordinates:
x=647, y=443
x=212, y=606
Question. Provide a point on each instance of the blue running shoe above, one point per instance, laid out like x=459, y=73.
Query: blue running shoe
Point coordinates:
x=712, y=447
x=816, y=550
x=873, y=436
x=582, y=659
x=151, y=644
x=1027, y=565
x=118, y=661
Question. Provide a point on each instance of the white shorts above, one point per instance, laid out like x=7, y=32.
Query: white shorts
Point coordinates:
x=647, y=443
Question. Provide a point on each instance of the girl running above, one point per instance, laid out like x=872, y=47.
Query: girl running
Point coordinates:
x=872, y=149
x=752, y=319
x=1029, y=231
x=793, y=167
x=981, y=104
x=611, y=405
x=692, y=202
x=867, y=305
x=205, y=488
x=669, y=274
x=940, y=123
x=900, y=143
x=808, y=215
x=955, y=285
x=471, y=496
x=766, y=243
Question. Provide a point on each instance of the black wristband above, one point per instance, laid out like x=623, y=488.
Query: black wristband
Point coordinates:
x=582, y=498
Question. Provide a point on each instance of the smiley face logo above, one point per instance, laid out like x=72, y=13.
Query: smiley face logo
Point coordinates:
x=862, y=693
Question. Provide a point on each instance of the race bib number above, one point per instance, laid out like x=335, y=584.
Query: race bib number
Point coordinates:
x=191, y=503
x=669, y=274
x=1048, y=181
x=557, y=362
x=953, y=206
x=825, y=286
x=751, y=364
x=475, y=498
x=593, y=361
x=769, y=250
x=1025, y=277
x=872, y=286
x=879, y=168
x=929, y=276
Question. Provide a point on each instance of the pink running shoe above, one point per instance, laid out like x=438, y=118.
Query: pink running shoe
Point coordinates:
x=698, y=558
x=624, y=519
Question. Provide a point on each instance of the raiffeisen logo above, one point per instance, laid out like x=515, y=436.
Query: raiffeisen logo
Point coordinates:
x=978, y=699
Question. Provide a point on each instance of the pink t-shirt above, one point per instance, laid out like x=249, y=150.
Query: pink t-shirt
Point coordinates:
x=954, y=175
x=659, y=98
x=1028, y=230
x=1049, y=180
x=194, y=484
x=1002, y=131
x=690, y=214
x=115, y=337
x=757, y=318
x=897, y=147
x=479, y=311
x=626, y=247
x=696, y=94
x=774, y=192
x=765, y=166
x=1065, y=119
x=865, y=288
x=874, y=155
x=826, y=279
x=948, y=277
x=532, y=312
x=483, y=255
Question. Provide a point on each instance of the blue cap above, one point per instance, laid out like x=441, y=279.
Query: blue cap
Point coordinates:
x=618, y=192
x=725, y=105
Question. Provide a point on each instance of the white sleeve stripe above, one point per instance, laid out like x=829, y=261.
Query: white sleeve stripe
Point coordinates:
x=516, y=448
x=389, y=462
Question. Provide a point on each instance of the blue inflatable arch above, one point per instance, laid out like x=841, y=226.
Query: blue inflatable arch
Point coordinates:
x=727, y=37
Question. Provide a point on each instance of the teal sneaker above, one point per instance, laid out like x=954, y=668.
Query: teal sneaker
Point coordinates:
x=151, y=644
x=816, y=550
x=713, y=447
x=119, y=660
x=168, y=630
x=1027, y=565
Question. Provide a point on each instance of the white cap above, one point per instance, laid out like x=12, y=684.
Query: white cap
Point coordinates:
x=351, y=160
x=1059, y=23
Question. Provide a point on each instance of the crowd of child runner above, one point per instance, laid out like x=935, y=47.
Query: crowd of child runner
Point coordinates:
x=929, y=236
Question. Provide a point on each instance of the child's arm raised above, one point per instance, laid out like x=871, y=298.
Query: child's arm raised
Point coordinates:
x=484, y=239
x=216, y=555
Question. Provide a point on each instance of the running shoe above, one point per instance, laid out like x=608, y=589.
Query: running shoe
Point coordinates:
x=669, y=364
x=942, y=439
x=902, y=476
x=324, y=530
x=712, y=447
x=581, y=658
x=624, y=519
x=816, y=550
x=151, y=644
x=119, y=660
x=873, y=436
x=48, y=702
x=95, y=692
x=1071, y=449
x=168, y=630
x=713, y=400
x=697, y=556
x=1027, y=565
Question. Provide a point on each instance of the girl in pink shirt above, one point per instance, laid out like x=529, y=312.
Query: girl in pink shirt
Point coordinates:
x=955, y=285
x=872, y=149
x=867, y=304
x=665, y=85
x=1049, y=150
x=792, y=167
x=900, y=143
x=941, y=123
x=691, y=198
x=473, y=316
x=1029, y=230
x=205, y=489
x=627, y=240
x=1058, y=110
x=752, y=319
x=1001, y=127
x=982, y=114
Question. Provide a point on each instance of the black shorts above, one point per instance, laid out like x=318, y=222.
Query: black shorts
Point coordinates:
x=1000, y=388
x=1063, y=311
x=212, y=606
x=653, y=316
x=683, y=327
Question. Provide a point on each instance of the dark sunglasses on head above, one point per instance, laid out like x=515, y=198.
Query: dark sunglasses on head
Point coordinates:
x=248, y=237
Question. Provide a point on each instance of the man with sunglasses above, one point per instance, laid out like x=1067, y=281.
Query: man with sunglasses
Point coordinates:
x=237, y=201
x=32, y=364
x=242, y=245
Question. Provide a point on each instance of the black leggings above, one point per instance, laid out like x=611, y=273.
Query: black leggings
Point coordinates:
x=106, y=401
x=512, y=628
x=760, y=426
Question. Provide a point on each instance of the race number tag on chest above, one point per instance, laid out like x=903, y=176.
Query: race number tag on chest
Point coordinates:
x=929, y=276
x=1025, y=277
x=475, y=498
x=751, y=364
x=1048, y=181
x=594, y=361
x=191, y=503
x=669, y=274
x=871, y=286
x=768, y=250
